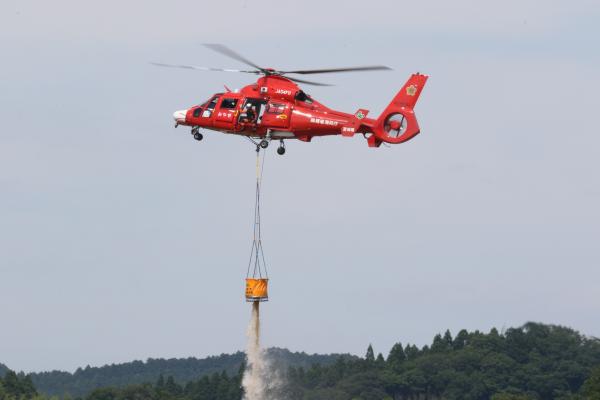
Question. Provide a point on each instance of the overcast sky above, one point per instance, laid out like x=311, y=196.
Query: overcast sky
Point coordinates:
x=122, y=238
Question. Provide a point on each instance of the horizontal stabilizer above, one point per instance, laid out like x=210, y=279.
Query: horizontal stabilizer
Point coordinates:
x=352, y=126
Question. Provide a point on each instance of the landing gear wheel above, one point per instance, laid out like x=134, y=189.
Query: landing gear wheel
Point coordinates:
x=198, y=136
x=264, y=144
x=281, y=148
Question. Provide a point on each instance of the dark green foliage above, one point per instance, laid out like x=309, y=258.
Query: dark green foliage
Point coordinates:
x=84, y=380
x=370, y=356
x=16, y=386
x=591, y=387
x=513, y=396
x=217, y=386
x=396, y=357
x=533, y=362
x=104, y=394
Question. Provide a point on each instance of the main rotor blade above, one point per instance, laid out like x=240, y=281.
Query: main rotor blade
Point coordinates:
x=307, y=82
x=325, y=71
x=202, y=68
x=226, y=51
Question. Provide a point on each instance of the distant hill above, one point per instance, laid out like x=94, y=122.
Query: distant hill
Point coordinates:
x=531, y=362
x=184, y=370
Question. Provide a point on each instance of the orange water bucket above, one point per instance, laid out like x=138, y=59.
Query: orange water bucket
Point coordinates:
x=256, y=289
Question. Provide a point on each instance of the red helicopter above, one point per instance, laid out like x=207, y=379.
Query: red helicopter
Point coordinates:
x=275, y=108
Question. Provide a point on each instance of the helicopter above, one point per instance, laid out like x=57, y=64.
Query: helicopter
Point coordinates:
x=276, y=108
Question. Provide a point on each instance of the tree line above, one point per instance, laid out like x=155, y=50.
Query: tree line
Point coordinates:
x=16, y=386
x=532, y=362
x=84, y=380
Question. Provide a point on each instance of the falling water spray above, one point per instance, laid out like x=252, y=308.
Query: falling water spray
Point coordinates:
x=253, y=382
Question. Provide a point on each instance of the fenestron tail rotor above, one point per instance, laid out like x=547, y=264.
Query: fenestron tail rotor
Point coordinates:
x=226, y=51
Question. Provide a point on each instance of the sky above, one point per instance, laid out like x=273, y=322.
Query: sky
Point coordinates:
x=122, y=238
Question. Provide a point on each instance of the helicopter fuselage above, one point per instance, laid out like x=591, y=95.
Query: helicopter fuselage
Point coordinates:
x=273, y=107
x=276, y=108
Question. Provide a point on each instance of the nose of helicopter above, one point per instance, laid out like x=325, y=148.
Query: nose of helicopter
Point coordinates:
x=179, y=116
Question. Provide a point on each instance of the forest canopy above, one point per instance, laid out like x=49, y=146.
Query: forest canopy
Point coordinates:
x=535, y=361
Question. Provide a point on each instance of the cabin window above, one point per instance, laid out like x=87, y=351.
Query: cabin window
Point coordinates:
x=275, y=108
x=229, y=103
x=252, y=111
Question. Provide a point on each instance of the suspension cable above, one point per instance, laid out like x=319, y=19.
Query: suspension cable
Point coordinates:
x=257, y=256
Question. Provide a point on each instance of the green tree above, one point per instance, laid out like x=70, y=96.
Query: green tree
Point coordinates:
x=411, y=351
x=591, y=387
x=11, y=383
x=27, y=388
x=171, y=387
x=370, y=356
x=512, y=396
x=137, y=392
x=438, y=345
x=160, y=382
x=460, y=340
x=448, y=339
x=396, y=357
x=104, y=394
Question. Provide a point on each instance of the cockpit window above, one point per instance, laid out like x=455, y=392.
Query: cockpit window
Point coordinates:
x=213, y=102
x=197, y=111
x=209, y=106
x=301, y=96
x=229, y=103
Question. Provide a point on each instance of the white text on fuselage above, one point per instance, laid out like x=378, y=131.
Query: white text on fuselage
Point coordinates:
x=225, y=114
x=321, y=121
x=283, y=91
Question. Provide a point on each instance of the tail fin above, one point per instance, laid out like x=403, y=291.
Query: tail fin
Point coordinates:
x=397, y=123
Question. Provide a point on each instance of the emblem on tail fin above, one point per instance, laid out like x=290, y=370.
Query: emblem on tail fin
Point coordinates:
x=411, y=90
